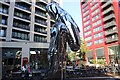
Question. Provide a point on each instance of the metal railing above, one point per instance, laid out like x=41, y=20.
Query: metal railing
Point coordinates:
x=109, y=17
x=109, y=24
x=106, y=4
x=111, y=31
x=108, y=10
x=112, y=39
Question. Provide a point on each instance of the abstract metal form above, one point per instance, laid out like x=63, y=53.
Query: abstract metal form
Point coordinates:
x=64, y=31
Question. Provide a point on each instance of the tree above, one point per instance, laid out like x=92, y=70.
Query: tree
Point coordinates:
x=79, y=55
x=83, y=50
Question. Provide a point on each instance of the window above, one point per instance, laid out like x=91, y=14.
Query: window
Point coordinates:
x=86, y=13
x=41, y=30
x=98, y=35
x=96, y=23
x=88, y=27
x=20, y=35
x=99, y=41
x=4, y=9
x=87, y=33
x=96, y=17
x=89, y=43
x=2, y=33
x=3, y=21
x=97, y=29
x=21, y=14
x=87, y=17
x=94, y=6
x=41, y=21
x=88, y=38
x=96, y=11
x=21, y=24
x=23, y=6
x=85, y=8
x=87, y=22
x=92, y=2
x=38, y=38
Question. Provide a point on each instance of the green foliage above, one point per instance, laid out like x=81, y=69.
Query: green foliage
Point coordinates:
x=83, y=47
x=79, y=55
x=101, y=61
x=93, y=61
x=71, y=56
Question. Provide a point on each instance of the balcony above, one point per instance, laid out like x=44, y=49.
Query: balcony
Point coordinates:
x=108, y=17
x=4, y=10
x=108, y=10
x=38, y=20
x=22, y=15
x=38, y=38
x=40, y=30
x=22, y=7
x=112, y=40
x=111, y=31
x=19, y=35
x=41, y=5
x=109, y=24
x=41, y=13
x=21, y=25
x=106, y=4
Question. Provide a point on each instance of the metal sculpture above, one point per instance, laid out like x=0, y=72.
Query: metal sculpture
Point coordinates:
x=65, y=30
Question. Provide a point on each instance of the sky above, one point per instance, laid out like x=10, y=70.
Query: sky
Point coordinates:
x=73, y=8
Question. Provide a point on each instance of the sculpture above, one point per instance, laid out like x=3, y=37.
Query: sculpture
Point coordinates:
x=65, y=30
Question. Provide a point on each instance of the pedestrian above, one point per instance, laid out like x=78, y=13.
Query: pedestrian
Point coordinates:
x=27, y=72
x=23, y=71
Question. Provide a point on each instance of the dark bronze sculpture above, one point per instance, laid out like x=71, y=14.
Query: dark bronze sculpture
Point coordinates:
x=64, y=31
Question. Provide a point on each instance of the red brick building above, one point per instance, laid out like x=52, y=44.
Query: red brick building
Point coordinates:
x=101, y=29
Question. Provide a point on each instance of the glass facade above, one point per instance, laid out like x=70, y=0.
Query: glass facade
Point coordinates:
x=96, y=23
x=96, y=11
x=97, y=29
x=2, y=32
x=87, y=28
x=98, y=35
x=99, y=41
x=114, y=53
x=88, y=33
x=88, y=38
x=89, y=43
x=96, y=17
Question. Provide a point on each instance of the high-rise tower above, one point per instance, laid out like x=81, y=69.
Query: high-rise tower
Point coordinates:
x=101, y=29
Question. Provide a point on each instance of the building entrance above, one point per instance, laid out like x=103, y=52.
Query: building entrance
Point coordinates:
x=11, y=61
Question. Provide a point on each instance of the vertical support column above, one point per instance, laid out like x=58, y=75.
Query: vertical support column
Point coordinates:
x=106, y=55
x=10, y=20
x=25, y=52
x=32, y=21
x=48, y=29
x=48, y=26
x=94, y=54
